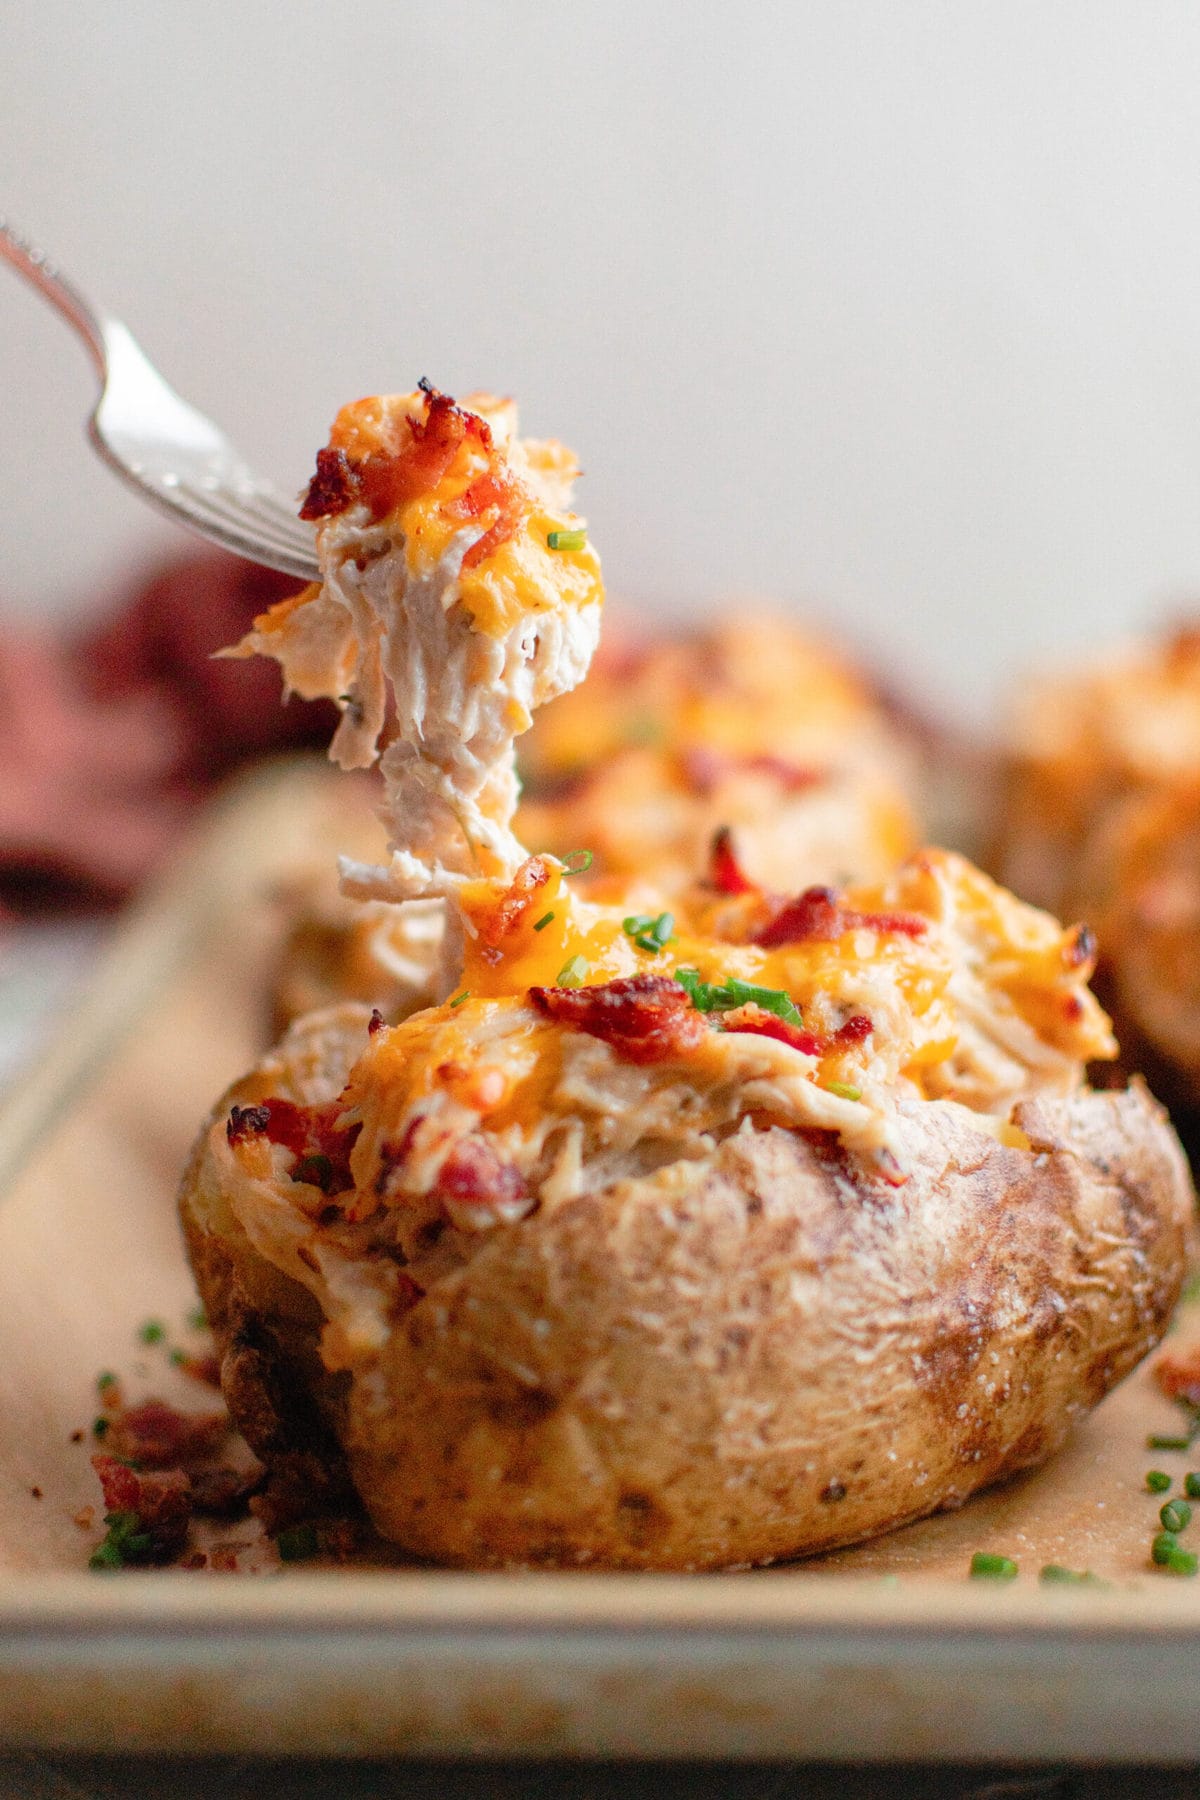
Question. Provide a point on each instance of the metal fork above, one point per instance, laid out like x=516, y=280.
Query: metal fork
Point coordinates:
x=170, y=453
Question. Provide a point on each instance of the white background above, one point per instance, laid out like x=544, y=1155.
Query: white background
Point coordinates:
x=889, y=310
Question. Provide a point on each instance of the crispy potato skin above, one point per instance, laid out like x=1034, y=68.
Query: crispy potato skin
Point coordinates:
x=740, y=1360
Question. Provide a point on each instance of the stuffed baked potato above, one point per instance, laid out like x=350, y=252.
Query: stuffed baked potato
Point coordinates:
x=706, y=1227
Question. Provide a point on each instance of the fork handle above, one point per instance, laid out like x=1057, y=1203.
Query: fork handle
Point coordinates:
x=61, y=293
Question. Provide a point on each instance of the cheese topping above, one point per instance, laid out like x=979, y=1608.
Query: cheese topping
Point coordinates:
x=458, y=593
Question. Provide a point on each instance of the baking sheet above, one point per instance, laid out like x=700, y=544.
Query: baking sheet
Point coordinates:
x=887, y=1650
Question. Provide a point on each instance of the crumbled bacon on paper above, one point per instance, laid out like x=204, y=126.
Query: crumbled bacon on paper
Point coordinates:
x=1178, y=1375
x=644, y=1018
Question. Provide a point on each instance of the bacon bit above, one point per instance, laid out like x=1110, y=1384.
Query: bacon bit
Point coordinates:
x=245, y=1122
x=223, y=1558
x=856, y=1030
x=760, y=1023
x=406, y=1293
x=159, y=1435
x=308, y=1132
x=477, y=1188
x=206, y=1368
x=85, y=1518
x=334, y=487
x=515, y=904
x=498, y=492
x=36, y=1493
x=160, y=1502
x=704, y=768
x=377, y=1022
x=644, y=1018
x=818, y=916
x=77, y=1437
x=1178, y=1375
x=724, y=871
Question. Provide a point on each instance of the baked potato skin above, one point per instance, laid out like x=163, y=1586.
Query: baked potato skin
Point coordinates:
x=735, y=1361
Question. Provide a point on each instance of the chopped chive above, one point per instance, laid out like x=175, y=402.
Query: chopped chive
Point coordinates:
x=567, y=540
x=707, y=996
x=152, y=1332
x=1168, y=1553
x=106, y=1381
x=1191, y=1485
x=100, y=1426
x=541, y=924
x=1175, y=1515
x=993, y=1568
x=106, y=1556
x=1055, y=1574
x=649, y=932
x=1164, y=1441
x=198, y=1319
x=844, y=1090
x=178, y=1357
x=298, y=1543
x=1157, y=1481
x=573, y=972
x=578, y=862
x=465, y=995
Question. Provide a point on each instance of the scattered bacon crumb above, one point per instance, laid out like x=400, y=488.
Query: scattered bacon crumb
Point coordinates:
x=36, y=1492
x=644, y=1018
x=307, y=1131
x=224, y=1558
x=818, y=916
x=85, y=1518
x=158, y=1435
x=161, y=1501
x=474, y=1177
x=206, y=1368
x=515, y=904
x=334, y=487
x=1178, y=1374
x=77, y=1437
x=377, y=1022
x=760, y=1023
x=724, y=870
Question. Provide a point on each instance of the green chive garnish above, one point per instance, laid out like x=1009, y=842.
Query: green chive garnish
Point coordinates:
x=844, y=1090
x=1163, y=1441
x=993, y=1568
x=1055, y=1574
x=1191, y=1485
x=567, y=540
x=152, y=1332
x=573, y=972
x=578, y=862
x=541, y=924
x=649, y=932
x=198, y=1319
x=1168, y=1553
x=465, y=995
x=1175, y=1515
x=297, y=1544
x=178, y=1358
x=100, y=1426
x=1158, y=1481
x=707, y=996
x=106, y=1381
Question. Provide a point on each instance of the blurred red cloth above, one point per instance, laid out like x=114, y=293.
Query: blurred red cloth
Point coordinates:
x=108, y=739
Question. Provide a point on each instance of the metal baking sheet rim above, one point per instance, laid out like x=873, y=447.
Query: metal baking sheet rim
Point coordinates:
x=706, y=1667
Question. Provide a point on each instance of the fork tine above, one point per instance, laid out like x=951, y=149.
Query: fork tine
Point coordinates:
x=263, y=510
x=231, y=522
